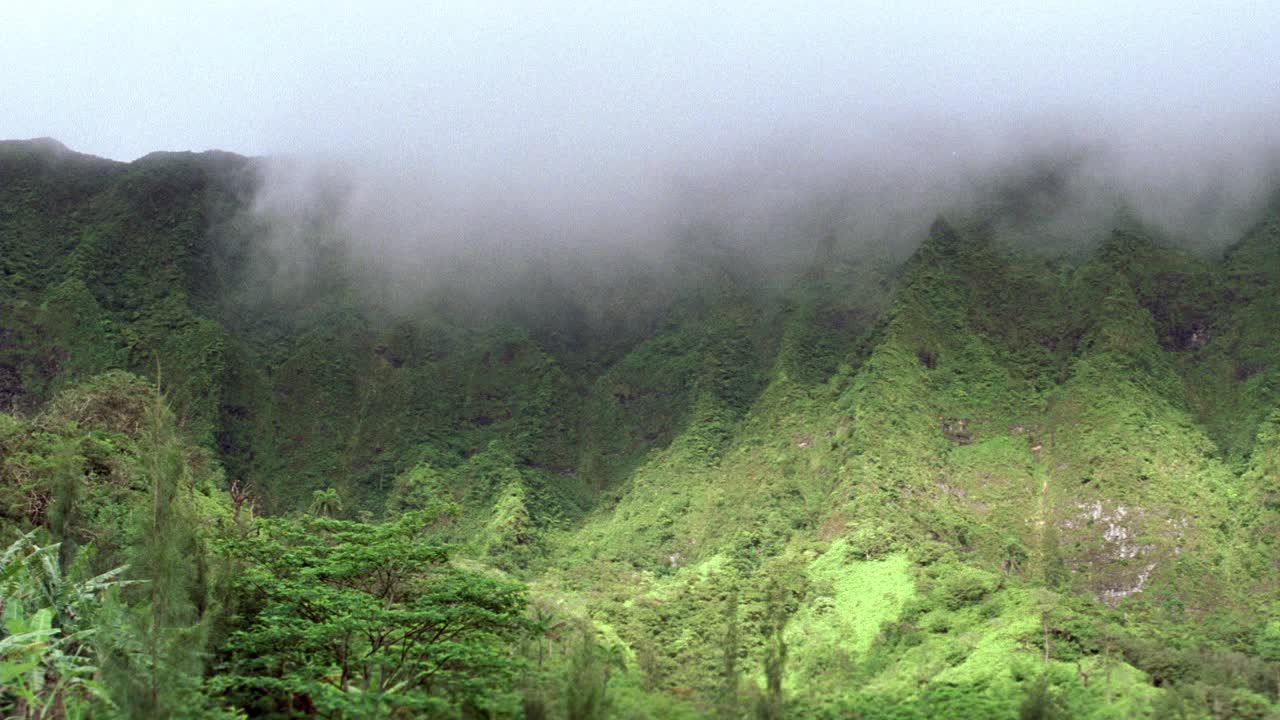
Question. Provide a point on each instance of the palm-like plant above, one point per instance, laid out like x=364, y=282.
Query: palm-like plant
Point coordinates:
x=47, y=662
x=325, y=503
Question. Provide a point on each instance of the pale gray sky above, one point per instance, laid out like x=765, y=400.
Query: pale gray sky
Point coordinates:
x=484, y=80
x=578, y=119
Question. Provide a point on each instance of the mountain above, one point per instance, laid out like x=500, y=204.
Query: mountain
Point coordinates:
x=995, y=479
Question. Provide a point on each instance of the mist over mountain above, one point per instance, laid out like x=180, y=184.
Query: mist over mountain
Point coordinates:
x=432, y=135
x=640, y=362
x=772, y=205
x=1040, y=422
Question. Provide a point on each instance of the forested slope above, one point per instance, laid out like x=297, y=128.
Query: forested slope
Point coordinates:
x=1001, y=478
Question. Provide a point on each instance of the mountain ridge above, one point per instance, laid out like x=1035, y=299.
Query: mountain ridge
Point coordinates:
x=934, y=481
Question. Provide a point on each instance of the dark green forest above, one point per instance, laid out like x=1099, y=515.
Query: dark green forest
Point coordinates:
x=992, y=474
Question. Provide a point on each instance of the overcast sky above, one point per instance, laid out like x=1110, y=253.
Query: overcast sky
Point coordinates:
x=486, y=80
x=589, y=111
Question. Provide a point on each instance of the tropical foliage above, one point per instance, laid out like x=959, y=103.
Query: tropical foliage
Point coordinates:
x=987, y=476
x=349, y=619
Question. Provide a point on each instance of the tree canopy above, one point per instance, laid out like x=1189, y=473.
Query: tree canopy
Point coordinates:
x=348, y=619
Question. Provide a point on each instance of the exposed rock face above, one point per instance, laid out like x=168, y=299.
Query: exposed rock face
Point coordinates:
x=957, y=431
x=1113, y=556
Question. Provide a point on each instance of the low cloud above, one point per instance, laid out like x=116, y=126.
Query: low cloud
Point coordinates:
x=424, y=143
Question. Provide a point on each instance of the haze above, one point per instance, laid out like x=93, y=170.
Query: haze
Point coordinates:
x=491, y=127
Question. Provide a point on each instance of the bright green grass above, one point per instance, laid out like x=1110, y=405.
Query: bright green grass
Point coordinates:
x=849, y=602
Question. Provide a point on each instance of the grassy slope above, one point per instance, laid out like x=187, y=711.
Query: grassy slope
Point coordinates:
x=1018, y=455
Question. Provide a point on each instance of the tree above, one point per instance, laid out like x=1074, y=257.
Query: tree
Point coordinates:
x=587, y=684
x=1040, y=702
x=154, y=654
x=325, y=503
x=367, y=620
x=769, y=706
x=727, y=703
x=1053, y=568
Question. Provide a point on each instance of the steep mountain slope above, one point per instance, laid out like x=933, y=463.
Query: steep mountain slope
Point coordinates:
x=147, y=266
x=1017, y=455
x=989, y=479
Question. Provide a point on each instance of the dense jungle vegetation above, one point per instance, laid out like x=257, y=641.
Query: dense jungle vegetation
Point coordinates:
x=986, y=477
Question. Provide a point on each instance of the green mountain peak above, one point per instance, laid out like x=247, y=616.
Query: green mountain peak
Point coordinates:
x=981, y=482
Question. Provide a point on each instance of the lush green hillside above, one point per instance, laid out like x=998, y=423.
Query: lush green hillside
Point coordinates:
x=995, y=480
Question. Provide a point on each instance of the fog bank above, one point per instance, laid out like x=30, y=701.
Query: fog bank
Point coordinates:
x=419, y=138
